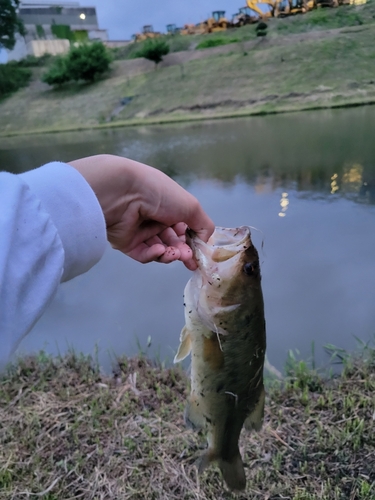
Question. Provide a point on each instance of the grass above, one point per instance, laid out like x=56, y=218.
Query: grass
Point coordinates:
x=215, y=42
x=68, y=431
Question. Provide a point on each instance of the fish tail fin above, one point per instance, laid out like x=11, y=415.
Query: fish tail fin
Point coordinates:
x=233, y=472
x=232, y=469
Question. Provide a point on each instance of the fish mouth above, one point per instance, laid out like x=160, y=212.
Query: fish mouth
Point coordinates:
x=224, y=248
x=232, y=239
x=224, y=244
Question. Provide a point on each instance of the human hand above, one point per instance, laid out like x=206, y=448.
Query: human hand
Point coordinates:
x=146, y=212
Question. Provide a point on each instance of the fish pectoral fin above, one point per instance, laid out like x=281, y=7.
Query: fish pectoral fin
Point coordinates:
x=185, y=345
x=254, y=421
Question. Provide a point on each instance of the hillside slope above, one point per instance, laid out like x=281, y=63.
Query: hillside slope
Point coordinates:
x=321, y=59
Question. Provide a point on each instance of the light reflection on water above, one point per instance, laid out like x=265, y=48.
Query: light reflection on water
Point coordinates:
x=307, y=181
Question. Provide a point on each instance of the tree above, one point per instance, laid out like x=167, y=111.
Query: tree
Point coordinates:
x=10, y=24
x=88, y=61
x=85, y=62
x=154, y=50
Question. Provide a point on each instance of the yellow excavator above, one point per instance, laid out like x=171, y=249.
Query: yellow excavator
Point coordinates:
x=218, y=22
x=262, y=10
x=193, y=29
x=147, y=32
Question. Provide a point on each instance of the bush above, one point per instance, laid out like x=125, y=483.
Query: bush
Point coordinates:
x=85, y=62
x=12, y=78
x=154, y=50
x=58, y=72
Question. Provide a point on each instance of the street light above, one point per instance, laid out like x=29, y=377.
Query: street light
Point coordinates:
x=82, y=16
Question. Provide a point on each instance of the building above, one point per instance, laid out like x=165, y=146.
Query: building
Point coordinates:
x=53, y=25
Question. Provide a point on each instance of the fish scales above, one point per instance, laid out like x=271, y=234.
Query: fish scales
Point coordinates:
x=225, y=334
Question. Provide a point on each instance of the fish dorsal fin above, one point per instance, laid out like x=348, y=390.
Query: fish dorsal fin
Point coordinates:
x=185, y=345
x=255, y=419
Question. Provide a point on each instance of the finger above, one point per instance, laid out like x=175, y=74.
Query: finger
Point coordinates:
x=199, y=221
x=191, y=264
x=202, y=226
x=154, y=241
x=180, y=230
x=170, y=255
x=169, y=237
x=144, y=232
x=185, y=251
x=144, y=253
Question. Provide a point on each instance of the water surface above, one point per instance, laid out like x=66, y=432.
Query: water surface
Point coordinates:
x=306, y=181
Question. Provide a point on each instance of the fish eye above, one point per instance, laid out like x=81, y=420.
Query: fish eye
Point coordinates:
x=250, y=268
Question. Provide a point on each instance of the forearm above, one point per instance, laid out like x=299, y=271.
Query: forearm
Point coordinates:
x=40, y=246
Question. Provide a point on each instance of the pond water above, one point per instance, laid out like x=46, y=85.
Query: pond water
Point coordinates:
x=306, y=181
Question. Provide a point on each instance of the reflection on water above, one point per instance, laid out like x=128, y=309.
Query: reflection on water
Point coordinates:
x=284, y=203
x=306, y=180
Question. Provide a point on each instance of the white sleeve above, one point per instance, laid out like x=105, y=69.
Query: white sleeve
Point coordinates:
x=51, y=229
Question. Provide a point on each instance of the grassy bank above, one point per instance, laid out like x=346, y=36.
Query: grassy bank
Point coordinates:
x=319, y=60
x=67, y=431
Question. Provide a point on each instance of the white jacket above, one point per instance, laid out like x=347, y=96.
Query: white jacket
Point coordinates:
x=52, y=229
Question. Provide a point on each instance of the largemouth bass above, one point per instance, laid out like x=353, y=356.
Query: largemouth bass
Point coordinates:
x=225, y=334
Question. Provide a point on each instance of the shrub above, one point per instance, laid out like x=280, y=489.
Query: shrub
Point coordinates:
x=12, y=78
x=58, y=73
x=154, y=50
x=85, y=62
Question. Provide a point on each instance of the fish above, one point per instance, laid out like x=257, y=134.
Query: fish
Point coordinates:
x=225, y=334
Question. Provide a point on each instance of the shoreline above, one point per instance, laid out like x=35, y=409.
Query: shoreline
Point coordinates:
x=165, y=120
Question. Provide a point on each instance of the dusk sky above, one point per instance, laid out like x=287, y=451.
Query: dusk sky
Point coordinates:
x=122, y=18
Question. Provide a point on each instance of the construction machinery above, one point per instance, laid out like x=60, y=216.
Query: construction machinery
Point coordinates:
x=218, y=22
x=260, y=9
x=147, y=32
x=257, y=10
x=172, y=29
x=193, y=29
x=242, y=17
x=299, y=6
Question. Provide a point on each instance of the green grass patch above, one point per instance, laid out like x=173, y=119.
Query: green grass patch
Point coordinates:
x=215, y=42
